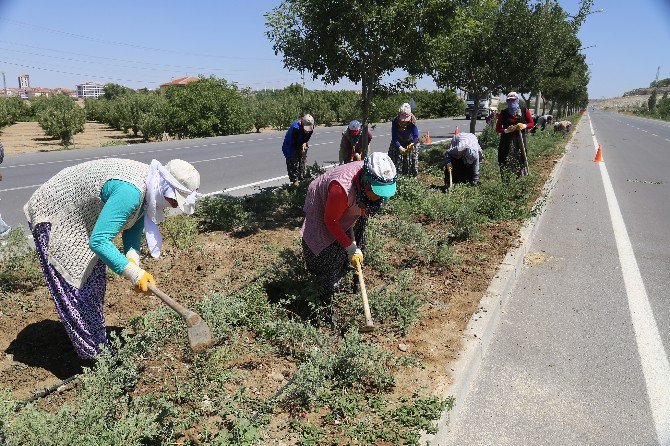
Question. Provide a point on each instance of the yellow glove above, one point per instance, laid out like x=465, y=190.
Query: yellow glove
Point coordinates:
x=138, y=277
x=145, y=280
x=520, y=126
x=450, y=167
x=410, y=147
x=304, y=147
x=355, y=254
x=402, y=150
x=357, y=156
x=511, y=128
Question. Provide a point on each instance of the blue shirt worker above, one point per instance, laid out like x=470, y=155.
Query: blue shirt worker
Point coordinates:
x=404, y=148
x=296, y=143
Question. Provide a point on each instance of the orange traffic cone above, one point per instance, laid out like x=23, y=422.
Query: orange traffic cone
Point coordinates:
x=428, y=138
x=456, y=132
x=599, y=156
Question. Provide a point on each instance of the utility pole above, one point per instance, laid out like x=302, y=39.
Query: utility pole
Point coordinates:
x=4, y=83
x=658, y=71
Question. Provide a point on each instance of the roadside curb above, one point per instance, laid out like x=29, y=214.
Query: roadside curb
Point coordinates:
x=481, y=328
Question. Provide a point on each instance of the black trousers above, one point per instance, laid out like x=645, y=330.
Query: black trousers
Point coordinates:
x=331, y=265
x=510, y=144
x=295, y=165
x=461, y=172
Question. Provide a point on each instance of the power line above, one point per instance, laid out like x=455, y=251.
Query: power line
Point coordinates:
x=131, y=45
x=113, y=58
x=95, y=62
x=77, y=74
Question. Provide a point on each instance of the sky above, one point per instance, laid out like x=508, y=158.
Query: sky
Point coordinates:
x=144, y=43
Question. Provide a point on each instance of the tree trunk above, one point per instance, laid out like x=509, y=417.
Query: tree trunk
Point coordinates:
x=475, y=110
x=551, y=109
x=365, y=92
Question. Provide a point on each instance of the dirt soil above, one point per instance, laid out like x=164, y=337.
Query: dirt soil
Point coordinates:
x=36, y=353
x=28, y=137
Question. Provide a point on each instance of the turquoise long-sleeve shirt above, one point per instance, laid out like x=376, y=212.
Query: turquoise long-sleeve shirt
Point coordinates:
x=121, y=201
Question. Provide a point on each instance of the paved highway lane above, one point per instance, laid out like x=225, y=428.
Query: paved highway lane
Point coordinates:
x=580, y=355
x=224, y=162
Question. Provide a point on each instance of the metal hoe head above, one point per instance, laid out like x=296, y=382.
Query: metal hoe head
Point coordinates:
x=199, y=335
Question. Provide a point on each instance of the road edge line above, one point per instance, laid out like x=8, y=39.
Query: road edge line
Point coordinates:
x=477, y=335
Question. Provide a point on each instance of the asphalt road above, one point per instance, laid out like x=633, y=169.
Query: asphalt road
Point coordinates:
x=236, y=163
x=580, y=355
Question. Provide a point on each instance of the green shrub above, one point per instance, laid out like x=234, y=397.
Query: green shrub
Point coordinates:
x=60, y=117
x=180, y=231
x=20, y=268
x=362, y=365
x=398, y=306
x=223, y=212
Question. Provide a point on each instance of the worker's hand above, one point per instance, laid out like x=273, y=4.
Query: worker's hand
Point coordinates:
x=521, y=126
x=355, y=254
x=403, y=150
x=145, y=280
x=138, y=277
x=305, y=146
x=357, y=156
x=450, y=167
x=133, y=256
x=410, y=147
x=510, y=129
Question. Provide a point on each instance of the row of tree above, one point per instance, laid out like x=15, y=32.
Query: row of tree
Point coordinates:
x=480, y=46
x=212, y=107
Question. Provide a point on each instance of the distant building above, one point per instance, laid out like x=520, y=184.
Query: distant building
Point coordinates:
x=65, y=92
x=180, y=81
x=24, y=81
x=90, y=90
x=35, y=92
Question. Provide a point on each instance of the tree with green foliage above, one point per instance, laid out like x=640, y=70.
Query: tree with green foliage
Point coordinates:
x=61, y=117
x=462, y=55
x=358, y=40
x=651, y=102
x=209, y=107
x=113, y=91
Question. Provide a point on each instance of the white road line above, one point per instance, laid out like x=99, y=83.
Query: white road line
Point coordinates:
x=257, y=183
x=216, y=159
x=655, y=364
x=19, y=188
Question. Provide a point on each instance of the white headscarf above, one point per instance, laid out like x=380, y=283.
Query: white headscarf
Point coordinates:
x=161, y=184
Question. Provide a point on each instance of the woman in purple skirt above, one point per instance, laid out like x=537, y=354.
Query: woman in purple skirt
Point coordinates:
x=76, y=214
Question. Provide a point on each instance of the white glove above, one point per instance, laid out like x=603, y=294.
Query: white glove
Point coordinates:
x=506, y=131
x=133, y=273
x=521, y=126
x=133, y=256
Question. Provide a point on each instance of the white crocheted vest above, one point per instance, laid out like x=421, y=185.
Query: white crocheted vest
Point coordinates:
x=71, y=202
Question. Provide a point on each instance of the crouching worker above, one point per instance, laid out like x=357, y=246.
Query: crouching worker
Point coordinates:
x=462, y=160
x=339, y=200
x=74, y=217
x=563, y=126
x=351, y=145
x=294, y=148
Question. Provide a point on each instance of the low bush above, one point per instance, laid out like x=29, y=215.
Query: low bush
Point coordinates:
x=20, y=269
x=397, y=306
x=180, y=231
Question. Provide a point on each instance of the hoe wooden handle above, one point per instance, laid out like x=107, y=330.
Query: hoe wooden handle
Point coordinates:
x=191, y=317
x=364, y=293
